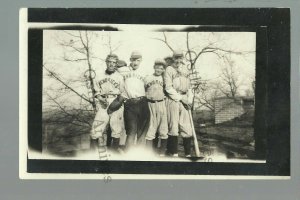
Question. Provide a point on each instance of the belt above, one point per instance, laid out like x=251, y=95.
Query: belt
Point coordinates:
x=108, y=96
x=135, y=100
x=154, y=101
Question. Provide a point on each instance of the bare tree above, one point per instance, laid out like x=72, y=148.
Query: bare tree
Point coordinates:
x=206, y=95
x=111, y=44
x=78, y=49
x=229, y=83
x=194, y=53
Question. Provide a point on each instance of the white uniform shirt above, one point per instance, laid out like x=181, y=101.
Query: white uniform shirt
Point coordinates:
x=109, y=83
x=154, y=87
x=134, y=85
x=123, y=70
x=177, y=83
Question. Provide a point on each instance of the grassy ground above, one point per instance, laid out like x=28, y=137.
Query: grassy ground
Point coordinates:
x=234, y=138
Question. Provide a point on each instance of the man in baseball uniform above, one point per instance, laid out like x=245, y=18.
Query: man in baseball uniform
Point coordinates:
x=109, y=84
x=156, y=101
x=136, y=110
x=180, y=97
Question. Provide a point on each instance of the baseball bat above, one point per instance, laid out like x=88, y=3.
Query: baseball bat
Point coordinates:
x=194, y=135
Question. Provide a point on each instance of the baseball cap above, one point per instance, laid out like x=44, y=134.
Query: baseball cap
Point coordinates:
x=112, y=56
x=121, y=63
x=168, y=57
x=160, y=62
x=177, y=54
x=136, y=55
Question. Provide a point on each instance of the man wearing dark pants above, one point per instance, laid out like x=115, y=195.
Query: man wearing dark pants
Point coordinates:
x=136, y=110
x=136, y=117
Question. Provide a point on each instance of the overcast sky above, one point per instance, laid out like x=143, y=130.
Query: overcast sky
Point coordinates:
x=140, y=38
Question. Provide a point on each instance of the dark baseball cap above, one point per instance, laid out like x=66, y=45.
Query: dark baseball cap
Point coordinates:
x=111, y=56
x=121, y=63
x=168, y=58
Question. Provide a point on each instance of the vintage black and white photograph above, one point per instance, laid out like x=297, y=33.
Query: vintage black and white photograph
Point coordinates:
x=119, y=96
x=149, y=95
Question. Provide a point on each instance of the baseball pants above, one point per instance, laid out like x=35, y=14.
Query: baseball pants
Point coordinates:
x=114, y=120
x=158, y=121
x=136, y=118
x=178, y=119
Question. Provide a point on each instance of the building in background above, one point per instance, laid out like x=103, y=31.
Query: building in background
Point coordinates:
x=228, y=108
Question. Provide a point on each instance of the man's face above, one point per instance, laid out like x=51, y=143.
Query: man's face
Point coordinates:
x=178, y=62
x=111, y=64
x=135, y=63
x=159, y=70
x=169, y=61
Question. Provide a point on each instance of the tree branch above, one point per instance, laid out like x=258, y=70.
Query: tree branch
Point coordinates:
x=67, y=113
x=72, y=47
x=62, y=82
x=165, y=41
x=73, y=60
x=70, y=34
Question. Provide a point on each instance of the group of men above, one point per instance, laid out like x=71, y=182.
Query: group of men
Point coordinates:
x=144, y=107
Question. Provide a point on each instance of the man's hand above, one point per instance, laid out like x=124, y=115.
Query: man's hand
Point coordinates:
x=186, y=105
x=103, y=103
